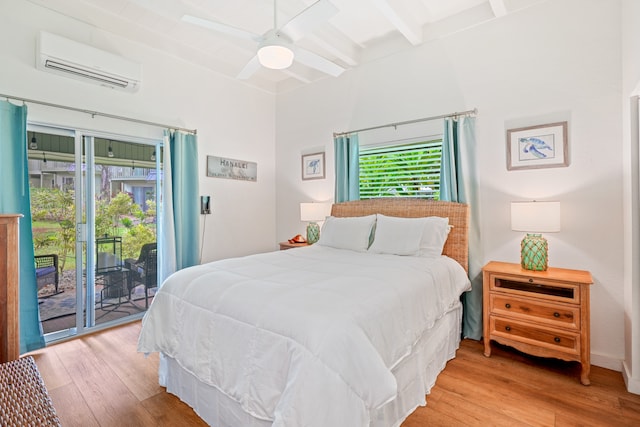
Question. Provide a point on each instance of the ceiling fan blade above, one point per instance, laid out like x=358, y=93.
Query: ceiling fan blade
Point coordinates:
x=309, y=19
x=249, y=69
x=221, y=28
x=316, y=61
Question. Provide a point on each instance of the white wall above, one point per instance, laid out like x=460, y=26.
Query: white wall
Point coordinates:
x=232, y=119
x=630, y=116
x=558, y=60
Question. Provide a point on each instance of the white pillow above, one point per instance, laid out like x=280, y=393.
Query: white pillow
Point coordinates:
x=434, y=236
x=398, y=236
x=424, y=236
x=347, y=233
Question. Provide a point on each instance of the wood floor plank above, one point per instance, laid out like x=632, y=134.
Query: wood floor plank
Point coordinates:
x=101, y=380
x=467, y=412
x=168, y=410
x=497, y=397
x=541, y=388
x=109, y=399
x=571, y=420
x=51, y=368
x=71, y=408
x=119, y=350
x=546, y=385
x=630, y=406
x=434, y=419
x=522, y=387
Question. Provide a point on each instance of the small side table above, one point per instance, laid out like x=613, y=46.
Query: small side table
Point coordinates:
x=543, y=313
x=286, y=245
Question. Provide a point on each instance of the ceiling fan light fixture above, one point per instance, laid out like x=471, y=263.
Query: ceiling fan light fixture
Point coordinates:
x=275, y=55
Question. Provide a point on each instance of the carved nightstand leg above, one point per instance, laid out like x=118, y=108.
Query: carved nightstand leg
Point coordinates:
x=487, y=348
x=584, y=374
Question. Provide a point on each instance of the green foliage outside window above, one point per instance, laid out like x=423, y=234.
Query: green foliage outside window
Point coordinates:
x=53, y=215
x=411, y=170
x=54, y=206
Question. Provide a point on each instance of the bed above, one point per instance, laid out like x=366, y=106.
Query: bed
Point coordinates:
x=345, y=332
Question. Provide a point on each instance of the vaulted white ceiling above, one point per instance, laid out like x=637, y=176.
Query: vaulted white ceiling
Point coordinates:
x=358, y=31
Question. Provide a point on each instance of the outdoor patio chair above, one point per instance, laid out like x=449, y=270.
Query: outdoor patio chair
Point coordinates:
x=47, y=271
x=143, y=271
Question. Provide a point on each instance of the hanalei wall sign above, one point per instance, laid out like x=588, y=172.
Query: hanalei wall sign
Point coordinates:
x=222, y=167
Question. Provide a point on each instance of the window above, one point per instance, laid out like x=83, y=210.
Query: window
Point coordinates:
x=408, y=170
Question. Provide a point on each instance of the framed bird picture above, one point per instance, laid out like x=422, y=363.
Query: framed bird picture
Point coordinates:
x=313, y=166
x=542, y=146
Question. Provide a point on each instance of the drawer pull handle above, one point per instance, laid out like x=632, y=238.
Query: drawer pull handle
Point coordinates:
x=557, y=339
x=507, y=328
x=507, y=305
x=530, y=280
x=556, y=314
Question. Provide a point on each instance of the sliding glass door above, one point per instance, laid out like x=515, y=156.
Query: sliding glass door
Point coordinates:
x=96, y=197
x=53, y=208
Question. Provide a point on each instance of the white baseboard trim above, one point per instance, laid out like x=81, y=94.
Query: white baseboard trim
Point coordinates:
x=606, y=361
x=633, y=384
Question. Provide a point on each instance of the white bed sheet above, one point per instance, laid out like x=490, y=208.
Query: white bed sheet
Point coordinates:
x=287, y=335
x=415, y=376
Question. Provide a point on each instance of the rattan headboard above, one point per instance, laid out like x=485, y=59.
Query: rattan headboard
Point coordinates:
x=457, y=245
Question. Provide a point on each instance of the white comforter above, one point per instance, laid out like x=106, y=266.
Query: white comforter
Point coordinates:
x=303, y=337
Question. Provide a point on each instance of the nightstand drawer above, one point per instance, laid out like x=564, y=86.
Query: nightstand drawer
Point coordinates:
x=564, y=341
x=552, y=290
x=551, y=314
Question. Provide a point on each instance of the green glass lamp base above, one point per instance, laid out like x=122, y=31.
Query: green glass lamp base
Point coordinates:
x=534, y=252
x=313, y=233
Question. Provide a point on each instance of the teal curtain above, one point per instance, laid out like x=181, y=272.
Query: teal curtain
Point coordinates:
x=180, y=220
x=347, y=152
x=15, y=198
x=459, y=183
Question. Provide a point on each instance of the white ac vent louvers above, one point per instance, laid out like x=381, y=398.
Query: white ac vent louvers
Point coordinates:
x=54, y=65
x=79, y=61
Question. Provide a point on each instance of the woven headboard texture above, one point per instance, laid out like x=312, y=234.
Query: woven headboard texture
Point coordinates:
x=457, y=245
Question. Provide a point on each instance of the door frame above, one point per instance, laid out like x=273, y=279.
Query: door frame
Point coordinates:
x=85, y=234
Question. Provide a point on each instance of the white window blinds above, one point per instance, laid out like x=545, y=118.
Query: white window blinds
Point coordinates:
x=410, y=170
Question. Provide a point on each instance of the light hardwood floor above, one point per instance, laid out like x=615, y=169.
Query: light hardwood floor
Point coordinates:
x=100, y=380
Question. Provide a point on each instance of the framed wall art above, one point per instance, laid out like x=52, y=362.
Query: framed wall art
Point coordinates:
x=313, y=166
x=542, y=146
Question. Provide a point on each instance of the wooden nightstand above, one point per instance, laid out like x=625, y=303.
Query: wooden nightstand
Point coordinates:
x=287, y=245
x=543, y=313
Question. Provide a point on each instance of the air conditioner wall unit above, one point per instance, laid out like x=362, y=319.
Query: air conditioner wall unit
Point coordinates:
x=76, y=60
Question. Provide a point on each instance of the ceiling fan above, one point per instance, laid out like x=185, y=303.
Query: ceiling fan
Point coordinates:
x=276, y=48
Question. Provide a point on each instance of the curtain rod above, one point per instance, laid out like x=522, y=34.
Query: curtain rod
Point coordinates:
x=97, y=113
x=408, y=122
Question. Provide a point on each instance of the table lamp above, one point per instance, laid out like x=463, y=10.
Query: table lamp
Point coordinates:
x=535, y=218
x=313, y=212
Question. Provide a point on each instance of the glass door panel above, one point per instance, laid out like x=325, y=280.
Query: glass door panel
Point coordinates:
x=52, y=187
x=94, y=207
x=124, y=204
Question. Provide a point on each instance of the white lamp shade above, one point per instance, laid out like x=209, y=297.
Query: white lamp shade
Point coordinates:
x=314, y=211
x=535, y=217
x=275, y=56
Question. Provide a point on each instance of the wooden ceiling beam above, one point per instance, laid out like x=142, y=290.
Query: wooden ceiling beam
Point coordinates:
x=498, y=7
x=402, y=20
x=337, y=45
